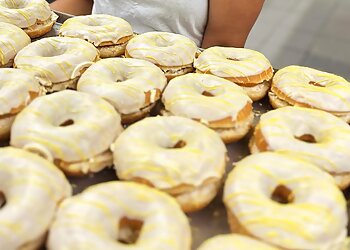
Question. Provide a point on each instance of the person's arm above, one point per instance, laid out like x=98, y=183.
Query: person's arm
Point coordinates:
x=74, y=7
x=230, y=21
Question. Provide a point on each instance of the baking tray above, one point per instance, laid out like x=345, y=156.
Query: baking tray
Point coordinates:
x=211, y=220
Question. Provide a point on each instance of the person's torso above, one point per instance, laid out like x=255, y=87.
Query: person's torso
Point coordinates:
x=185, y=17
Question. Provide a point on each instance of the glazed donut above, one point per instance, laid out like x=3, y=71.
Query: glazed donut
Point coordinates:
x=234, y=241
x=174, y=154
x=216, y=102
x=108, y=215
x=132, y=86
x=311, y=88
x=31, y=189
x=57, y=61
x=33, y=16
x=314, y=135
x=109, y=34
x=172, y=53
x=12, y=40
x=248, y=68
x=70, y=128
x=17, y=89
x=285, y=201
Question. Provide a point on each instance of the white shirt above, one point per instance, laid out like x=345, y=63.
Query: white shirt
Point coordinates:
x=186, y=17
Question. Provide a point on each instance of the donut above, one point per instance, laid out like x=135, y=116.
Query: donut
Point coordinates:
x=215, y=102
x=174, y=154
x=132, y=86
x=31, y=189
x=72, y=129
x=234, y=242
x=109, y=34
x=248, y=68
x=17, y=89
x=172, y=53
x=57, y=61
x=311, y=88
x=314, y=135
x=285, y=201
x=33, y=16
x=12, y=40
x=120, y=215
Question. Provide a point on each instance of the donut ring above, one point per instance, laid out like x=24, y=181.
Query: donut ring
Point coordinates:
x=57, y=61
x=132, y=86
x=33, y=16
x=109, y=34
x=216, y=102
x=285, y=201
x=314, y=135
x=74, y=129
x=172, y=53
x=177, y=155
x=239, y=242
x=17, y=89
x=12, y=40
x=31, y=189
x=248, y=68
x=311, y=88
x=88, y=220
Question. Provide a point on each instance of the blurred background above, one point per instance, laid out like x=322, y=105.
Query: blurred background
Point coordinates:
x=313, y=33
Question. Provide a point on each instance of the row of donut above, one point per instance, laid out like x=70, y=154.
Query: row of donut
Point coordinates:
x=278, y=198
x=79, y=132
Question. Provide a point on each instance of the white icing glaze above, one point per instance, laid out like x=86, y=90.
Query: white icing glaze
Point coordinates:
x=33, y=188
x=145, y=150
x=331, y=150
x=54, y=59
x=96, y=125
x=12, y=40
x=15, y=88
x=216, y=60
x=162, y=48
x=183, y=97
x=24, y=13
x=123, y=82
x=294, y=82
x=90, y=219
x=234, y=242
x=315, y=219
x=96, y=28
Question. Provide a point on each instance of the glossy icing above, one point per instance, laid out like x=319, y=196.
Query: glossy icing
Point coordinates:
x=90, y=219
x=95, y=126
x=56, y=59
x=12, y=40
x=96, y=28
x=315, y=219
x=33, y=187
x=123, y=82
x=162, y=48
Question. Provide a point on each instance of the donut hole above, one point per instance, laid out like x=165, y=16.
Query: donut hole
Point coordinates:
x=282, y=195
x=233, y=59
x=53, y=52
x=2, y=199
x=162, y=42
x=315, y=84
x=207, y=94
x=129, y=230
x=306, y=138
x=66, y=123
x=178, y=144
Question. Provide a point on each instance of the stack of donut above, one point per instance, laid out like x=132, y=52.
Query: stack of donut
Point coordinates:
x=80, y=102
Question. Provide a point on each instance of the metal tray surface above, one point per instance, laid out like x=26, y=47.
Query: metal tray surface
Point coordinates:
x=211, y=220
